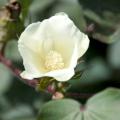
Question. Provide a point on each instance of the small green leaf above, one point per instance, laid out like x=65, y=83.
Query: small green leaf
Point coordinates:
x=43, y=83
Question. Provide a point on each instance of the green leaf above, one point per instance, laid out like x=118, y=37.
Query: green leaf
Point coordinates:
x=103, y=106
x=65, y=109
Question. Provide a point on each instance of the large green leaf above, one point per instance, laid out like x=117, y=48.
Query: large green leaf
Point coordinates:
x=65, y=109
x=103, y=106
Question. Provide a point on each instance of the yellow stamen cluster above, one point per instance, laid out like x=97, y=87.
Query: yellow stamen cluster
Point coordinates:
x=54, y=61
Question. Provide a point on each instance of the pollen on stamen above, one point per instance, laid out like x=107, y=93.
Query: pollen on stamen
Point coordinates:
x=54, y=61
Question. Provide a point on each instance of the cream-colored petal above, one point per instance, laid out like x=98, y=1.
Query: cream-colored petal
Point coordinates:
x=74, y=57
x=32, y=62
x=60, y=29
x=29, y=76
x=33, y=45
x=83, y=43
x=65, y=35
x=29, y=39
x=37, y=38
x=61, y=75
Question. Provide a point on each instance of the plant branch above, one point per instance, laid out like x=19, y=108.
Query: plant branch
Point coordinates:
x=16, y=71
x=79, y=95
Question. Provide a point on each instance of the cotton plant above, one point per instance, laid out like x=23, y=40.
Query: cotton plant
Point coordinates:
x=51, y=48
x=52, y=51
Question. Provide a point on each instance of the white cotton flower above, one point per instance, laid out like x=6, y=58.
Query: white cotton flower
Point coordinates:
x=51, y=48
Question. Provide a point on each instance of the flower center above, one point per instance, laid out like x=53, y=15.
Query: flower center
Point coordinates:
x=54, y=61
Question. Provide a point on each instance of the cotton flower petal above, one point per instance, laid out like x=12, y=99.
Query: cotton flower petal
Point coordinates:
x=36, y=37
x=62, y=75
x=66, y=35
x=61, y=26
x=32, y=49
x=83, y=43
x=29, y=76
x=29, y=39
x=33, y=65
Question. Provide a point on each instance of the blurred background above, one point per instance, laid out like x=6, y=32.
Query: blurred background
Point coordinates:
x=100, y=19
